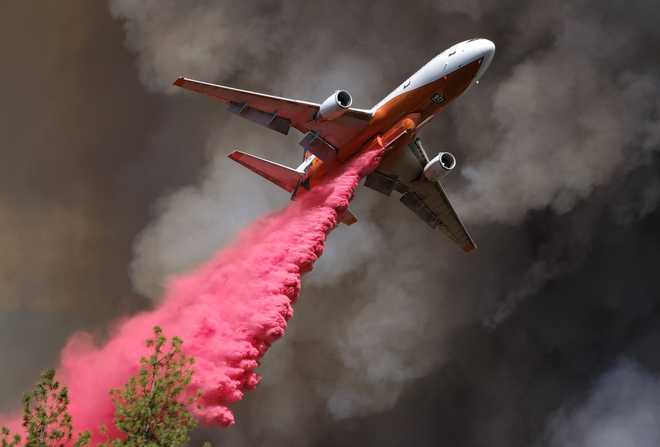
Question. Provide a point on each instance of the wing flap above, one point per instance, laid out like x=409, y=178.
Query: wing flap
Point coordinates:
x=297, y=112
x=271, y=120
x=433, y=206
x=415, y=203
x=279, y=113
x=425, y=198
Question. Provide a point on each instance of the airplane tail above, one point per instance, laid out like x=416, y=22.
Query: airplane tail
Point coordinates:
x=287, y=178
x=283, y=176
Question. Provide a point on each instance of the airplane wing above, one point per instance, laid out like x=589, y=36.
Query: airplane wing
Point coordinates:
x=427, y=199
x=280, y=114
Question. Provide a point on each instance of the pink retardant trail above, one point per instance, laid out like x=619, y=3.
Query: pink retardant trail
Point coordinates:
x=228, y=311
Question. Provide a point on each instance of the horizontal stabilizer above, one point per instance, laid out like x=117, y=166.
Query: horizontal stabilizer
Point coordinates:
x=283, y=176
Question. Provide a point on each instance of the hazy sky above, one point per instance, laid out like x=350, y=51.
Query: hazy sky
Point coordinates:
x=546, y=336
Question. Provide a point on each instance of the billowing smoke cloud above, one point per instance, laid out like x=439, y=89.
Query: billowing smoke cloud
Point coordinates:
x=68, y=129
x=558, y=155
x=559, y=127
x=194, y=221
x=551, y=132
x=623, y=408
x=208, y=40
x=230, y=310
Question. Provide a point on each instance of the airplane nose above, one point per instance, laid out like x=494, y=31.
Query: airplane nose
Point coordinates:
x=485, y=50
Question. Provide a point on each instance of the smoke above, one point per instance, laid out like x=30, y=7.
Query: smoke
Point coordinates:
x=550, y=134
x=195, y=220
x=623, y=408
x=559, y=169
x=559, y=128
x=73, y=115
x=230, y=310
x=207, y=40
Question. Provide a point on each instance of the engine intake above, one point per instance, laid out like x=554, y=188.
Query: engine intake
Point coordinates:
x=334, y=106
x=441, y=165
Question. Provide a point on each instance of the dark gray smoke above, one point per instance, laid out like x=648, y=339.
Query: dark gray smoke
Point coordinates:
x=85, y=152
x=398, y=338
x=623, y=408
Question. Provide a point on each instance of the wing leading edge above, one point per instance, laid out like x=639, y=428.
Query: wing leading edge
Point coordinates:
x=280, y=114
x=427, y=199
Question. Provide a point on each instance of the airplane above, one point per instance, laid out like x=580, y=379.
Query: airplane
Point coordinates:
x=334, y=132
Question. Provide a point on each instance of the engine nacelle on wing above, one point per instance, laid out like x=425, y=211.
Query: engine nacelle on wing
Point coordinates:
x=335, y=106
x=441, y=165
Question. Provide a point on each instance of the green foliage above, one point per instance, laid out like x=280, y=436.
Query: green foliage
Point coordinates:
x=152, y=408
x=7, y=439
x=46, y=419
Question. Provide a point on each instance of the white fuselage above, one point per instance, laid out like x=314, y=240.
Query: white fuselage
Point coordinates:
x=445, y=63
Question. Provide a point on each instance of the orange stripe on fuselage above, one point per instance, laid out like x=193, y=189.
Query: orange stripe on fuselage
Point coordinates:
x=390, y=115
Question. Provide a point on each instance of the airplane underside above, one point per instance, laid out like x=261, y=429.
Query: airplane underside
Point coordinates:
x=334, y=131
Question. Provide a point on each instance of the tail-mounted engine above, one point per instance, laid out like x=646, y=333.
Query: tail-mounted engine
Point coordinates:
x=334, y=106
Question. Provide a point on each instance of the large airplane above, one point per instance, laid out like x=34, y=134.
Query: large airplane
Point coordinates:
x=334, y=132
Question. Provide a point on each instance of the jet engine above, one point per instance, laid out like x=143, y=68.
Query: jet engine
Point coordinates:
x=439, y=166
x=335, y=106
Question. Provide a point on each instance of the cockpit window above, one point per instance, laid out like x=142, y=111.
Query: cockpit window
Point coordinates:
x=452, y=53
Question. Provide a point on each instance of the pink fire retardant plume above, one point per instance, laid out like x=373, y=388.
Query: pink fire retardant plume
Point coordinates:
x=228, y=311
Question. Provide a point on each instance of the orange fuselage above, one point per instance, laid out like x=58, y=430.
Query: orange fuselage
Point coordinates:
x=395, y=122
